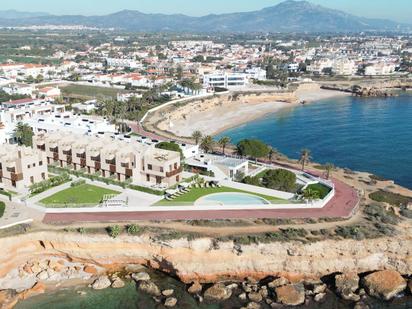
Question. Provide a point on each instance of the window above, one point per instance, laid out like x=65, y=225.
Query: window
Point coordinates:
x=161, y=169
x=149, y=167
x=177, y=178
x=41, y=163
x=28, y=166
x=43, y=176
x=34, y=164
x=147, y=177
x=175, y=166
x=31, y=179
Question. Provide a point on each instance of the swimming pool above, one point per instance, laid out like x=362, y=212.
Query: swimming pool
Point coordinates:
x=231, y=198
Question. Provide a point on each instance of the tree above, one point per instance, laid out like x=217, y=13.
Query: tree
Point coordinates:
x=252, y=148
x=304, y=158
x=310, y=194
x=179, y=72
x=24, y=134
x=272, y=152
x=207, y=143
x=197, y=136
x=223, y=142
x=170, y=146
x=329, y=167
x=280, y=179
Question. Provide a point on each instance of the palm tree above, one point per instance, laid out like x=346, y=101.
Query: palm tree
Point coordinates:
x=329, y=167
x=310, y=194
x=197, y=136
x=304, y=158
x=223, y=142
x=24, y=134
x=207, y=143
x=272, y=152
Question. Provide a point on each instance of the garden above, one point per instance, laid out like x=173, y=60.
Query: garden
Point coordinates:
x=82, y=195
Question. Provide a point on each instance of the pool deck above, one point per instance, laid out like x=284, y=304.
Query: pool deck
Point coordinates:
x=342, y=205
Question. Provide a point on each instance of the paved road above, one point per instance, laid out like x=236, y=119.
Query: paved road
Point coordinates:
x=342, y=205
x=138, y=129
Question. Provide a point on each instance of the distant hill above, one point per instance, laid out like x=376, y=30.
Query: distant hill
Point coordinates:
x=13, y=14
x=288, y=16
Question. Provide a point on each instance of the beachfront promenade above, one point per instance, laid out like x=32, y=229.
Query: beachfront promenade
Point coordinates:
x=342, y=205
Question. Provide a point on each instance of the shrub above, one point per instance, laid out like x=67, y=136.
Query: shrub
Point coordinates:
x=114, y=231
x=133, y=229
x=280, y=179
x=8, y=194
x=78, y=183
x=2, y=209
x=406, y=213
x=82, y=230
x=378, y=213
x=170, y=146
x=390, y=198
x=49, y=183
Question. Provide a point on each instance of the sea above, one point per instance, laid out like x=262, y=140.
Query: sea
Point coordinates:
x=363, y=134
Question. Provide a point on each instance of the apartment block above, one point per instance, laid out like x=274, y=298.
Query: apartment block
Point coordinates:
x=141, y=164
x=20, y=167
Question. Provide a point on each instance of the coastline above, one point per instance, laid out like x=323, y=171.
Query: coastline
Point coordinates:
x=212, y=118
x=307, y=96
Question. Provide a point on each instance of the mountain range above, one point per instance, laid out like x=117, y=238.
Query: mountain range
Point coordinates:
x=287, y=16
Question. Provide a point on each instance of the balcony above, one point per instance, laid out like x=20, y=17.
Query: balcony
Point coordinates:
x=41, y=147
x=55, y=156
x=175, y=172
x=129, y=172
x=97, y=166
x=69, y=160
x=82, y=163
x=112, y=168
x=16, y=177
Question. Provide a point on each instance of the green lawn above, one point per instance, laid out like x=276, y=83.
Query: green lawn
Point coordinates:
x=77, y=196
x=90, y=91
x=196, y=193
x=2, y=209
x=322, y=189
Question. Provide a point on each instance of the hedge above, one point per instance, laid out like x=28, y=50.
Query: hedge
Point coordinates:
x=2, y=208
x=107, y=181
x=49, y=183
x=8, y=194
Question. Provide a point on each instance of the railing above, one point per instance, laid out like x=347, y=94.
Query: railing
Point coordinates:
x=69, y=159
x=83, y=162
x=175, y=172
x=55, y=156
x=16, y=177
x=97, y=165
x=129, y=172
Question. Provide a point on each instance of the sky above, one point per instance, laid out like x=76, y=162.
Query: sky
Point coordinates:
x=398, y=10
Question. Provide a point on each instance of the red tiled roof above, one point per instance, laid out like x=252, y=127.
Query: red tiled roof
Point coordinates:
x=17, y=102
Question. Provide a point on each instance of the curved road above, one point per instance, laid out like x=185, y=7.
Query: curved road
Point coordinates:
x=343, y=205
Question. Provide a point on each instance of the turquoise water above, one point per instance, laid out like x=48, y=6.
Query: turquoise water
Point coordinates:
x=365, y=134
x=231, y=199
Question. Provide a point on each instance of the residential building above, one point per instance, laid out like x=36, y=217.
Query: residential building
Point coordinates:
x=24, y=110
x=20, y=167
x=225, y=80
x=18, y=89
x=141, y=164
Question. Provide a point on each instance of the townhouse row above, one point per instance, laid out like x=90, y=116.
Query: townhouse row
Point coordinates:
x=140, y=164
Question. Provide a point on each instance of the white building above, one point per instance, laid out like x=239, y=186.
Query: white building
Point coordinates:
x=13, y=112
x=380, y=68
x=344, y=67
x=123, y=62
x=69, y=122
x=18, y=89
x=256, y=73
x=225, y=80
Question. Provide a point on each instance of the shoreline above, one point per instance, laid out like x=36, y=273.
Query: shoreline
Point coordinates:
x=308, y=97
x=214, y=119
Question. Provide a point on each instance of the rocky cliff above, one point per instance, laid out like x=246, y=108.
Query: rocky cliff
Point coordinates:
x=205, y=260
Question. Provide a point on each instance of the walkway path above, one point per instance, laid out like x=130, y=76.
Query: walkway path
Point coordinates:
x=342, y=205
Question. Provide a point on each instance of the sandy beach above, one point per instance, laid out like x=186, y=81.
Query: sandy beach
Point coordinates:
x=219, y=114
